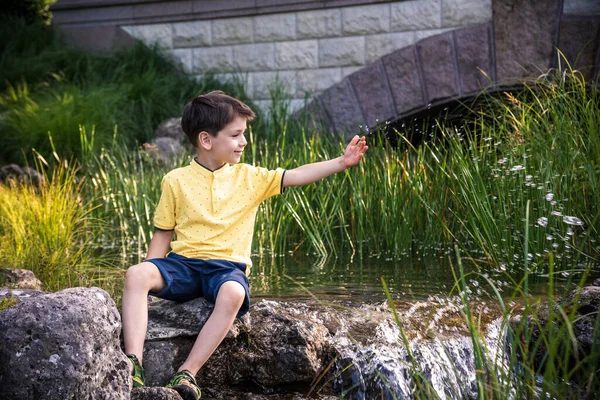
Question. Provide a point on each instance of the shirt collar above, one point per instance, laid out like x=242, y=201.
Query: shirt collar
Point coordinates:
x=206, y=171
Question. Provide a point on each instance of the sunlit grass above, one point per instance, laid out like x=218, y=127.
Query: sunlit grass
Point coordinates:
x=47, y=228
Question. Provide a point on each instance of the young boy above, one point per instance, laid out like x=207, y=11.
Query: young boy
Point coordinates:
x=211, y=207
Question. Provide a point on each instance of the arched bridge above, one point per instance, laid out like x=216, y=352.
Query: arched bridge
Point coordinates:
x=522, y=41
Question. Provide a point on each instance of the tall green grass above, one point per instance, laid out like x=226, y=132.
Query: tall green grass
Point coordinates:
x=48, y=228
x=473, y=187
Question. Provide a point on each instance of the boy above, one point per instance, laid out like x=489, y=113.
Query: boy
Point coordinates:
x=211, y=206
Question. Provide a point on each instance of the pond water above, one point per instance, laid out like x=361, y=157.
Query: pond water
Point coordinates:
x=411, y=278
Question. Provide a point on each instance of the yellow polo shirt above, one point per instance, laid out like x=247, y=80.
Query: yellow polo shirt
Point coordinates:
x=213, y=212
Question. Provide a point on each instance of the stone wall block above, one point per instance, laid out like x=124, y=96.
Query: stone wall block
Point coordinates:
x=403, y=71
x=161, y=9
x=426, y=33
x=314, y=117
x=274, y=27
x=342, y=108
x=192, y=34
x=212, y=59
x=319, y=24
x=416, y=14
x=363, y=20
x=580, y=45
x=440, y=77
x=232, y=31
x=525, y=33
x=349, y=70
x=160, y=34
x=317, y=80
x=299, y=54
x=581, y=7
x=263, y=82
x=474, y=57
x=371, y=88
x=340, y=52
x=466, y=12
x=183, y=57
x=242, y=78
x=254, y=57
x=379, y=45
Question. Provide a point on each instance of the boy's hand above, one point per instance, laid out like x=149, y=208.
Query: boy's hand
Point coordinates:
x=355, y=151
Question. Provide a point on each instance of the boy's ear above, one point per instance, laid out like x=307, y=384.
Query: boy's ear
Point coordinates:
x=204, y=140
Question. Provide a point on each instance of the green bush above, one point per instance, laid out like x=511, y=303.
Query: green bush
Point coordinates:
x=33, y=11
x=50, y=88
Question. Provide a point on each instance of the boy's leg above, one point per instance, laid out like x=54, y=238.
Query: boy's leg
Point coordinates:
x=230, y=298
x=139, y=280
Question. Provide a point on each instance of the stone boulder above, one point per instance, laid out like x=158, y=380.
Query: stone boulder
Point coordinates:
x=269, y=349
x=286, y=350
x=14, y=173
x=19, y=279
x=154, y=393
x=62, y=345
x=584, y=306
x=171, y=128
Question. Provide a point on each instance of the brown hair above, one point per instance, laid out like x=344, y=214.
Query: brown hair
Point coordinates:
x=211, y=112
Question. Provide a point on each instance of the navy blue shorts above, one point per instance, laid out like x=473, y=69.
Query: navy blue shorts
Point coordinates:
x=190, y=278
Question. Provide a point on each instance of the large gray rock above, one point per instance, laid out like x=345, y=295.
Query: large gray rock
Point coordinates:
x=280, y=349
x=14, y=173
x=579, y=339
x=270, y=347
x=19, y=279
x=63, y=345
x=154, y=393
x=171, y=128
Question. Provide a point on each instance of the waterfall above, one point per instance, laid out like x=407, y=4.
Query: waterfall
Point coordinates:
x=380, y=366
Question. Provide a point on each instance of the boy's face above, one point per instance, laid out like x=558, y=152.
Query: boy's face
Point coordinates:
x=228, y=145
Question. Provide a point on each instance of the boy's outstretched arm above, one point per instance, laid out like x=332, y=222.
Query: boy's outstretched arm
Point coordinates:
x=310, y=173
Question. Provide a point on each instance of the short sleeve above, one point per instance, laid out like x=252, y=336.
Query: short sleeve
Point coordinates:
x=164, y=217
x=268, y=182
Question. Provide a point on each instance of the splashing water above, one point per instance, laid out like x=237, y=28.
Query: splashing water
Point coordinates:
x=542, y=221
x=381, y=367
x=570, y=220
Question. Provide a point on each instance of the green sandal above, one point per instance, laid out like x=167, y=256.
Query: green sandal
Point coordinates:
x=138, y=376
x=184, y=383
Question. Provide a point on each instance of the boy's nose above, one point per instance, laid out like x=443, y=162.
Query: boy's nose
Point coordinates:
x=244, y=142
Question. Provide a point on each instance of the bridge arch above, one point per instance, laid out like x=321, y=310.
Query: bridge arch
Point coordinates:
x=524, y=40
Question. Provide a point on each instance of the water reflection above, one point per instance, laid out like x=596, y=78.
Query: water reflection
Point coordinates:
x=305, y=276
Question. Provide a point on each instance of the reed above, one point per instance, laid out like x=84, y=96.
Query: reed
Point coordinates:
x=470, y=187
x=48, y=228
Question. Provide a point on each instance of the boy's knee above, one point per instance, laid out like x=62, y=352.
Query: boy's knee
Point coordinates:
x=142, y=275
x=233, y=293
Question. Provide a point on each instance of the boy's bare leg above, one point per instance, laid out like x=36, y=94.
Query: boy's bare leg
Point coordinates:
x=229, y=300
x=139, y=280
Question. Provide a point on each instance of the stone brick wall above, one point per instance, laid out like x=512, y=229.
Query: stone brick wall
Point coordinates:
x=308, y=50
x=360, y=61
